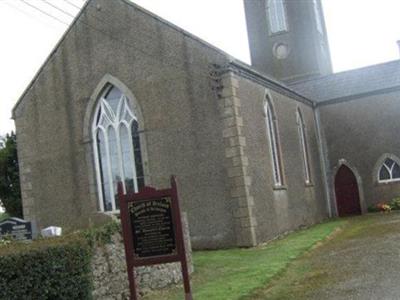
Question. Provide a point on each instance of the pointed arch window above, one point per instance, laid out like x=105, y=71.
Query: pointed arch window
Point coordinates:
x=389, y=171
x=276, y=16
x=272, y=132
x=117, y=150
x=303, y=145
x=317, y=14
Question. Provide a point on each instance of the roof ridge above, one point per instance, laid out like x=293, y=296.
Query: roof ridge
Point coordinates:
x=396, y=61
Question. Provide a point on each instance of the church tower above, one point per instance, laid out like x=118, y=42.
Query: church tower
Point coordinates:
x=287, y=38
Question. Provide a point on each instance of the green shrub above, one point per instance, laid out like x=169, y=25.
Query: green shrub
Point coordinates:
x=56, y=268
x=373, y=208
x=102, y=235
x=395, y=203
x=52, y=268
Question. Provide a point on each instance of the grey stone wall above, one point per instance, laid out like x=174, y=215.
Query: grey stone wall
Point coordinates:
x=277, y=210
x=216, y=146
x=307, y=49
x=110, y=277
x=360, y=133
x=236, y=161
x=167, y=70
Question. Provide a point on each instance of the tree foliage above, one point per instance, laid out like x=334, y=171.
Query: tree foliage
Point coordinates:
x=10, y=192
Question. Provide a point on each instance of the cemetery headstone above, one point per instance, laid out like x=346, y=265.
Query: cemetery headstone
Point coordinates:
x=16, y=228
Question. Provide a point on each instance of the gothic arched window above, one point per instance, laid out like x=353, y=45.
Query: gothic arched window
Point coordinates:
x=303, y=144
x=389, y=171
x=272, y=132
x=276, y=15
x=116, y=144
x=317, y=16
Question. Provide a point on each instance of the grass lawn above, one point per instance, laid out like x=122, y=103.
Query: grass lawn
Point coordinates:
x=238, y=273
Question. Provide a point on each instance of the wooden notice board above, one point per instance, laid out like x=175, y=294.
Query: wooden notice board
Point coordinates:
x=152, y=231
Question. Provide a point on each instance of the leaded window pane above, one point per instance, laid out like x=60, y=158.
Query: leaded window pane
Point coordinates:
x=389, y=171
x=103, y=169
x=137, y=154
x=113, y=97
x=303, y=144
x=114, y=159
x=389, y=162
x=125, y=113
x=273, y=145
x=117, y=148
x=107, y=114
x=127, y=159
x=384, y=174
x=396, y=171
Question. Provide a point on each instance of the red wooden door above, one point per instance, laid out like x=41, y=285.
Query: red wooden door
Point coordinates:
x=347, y=196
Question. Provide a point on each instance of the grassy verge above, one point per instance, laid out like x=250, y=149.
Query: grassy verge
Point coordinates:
x=319, y=271
x=237, y=273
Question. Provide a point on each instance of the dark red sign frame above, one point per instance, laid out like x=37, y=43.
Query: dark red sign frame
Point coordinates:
x=149, y=194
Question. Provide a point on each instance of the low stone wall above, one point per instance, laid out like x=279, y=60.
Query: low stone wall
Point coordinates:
x=110, y=277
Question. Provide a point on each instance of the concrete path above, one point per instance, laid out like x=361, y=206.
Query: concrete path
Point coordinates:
x=361, y=261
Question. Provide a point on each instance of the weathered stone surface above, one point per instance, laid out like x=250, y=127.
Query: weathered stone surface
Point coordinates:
x=188, y=94
x=167, y=72
x=110, y=277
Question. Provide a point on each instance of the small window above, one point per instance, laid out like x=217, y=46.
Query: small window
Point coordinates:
x=304, y=148
x=276, y=16
x=272, y=133
x=389, y=171
x=317, y=14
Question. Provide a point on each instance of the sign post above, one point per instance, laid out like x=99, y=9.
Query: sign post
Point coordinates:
x=152, y=231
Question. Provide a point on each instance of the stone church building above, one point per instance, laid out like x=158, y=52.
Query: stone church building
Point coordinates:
x=257, y=150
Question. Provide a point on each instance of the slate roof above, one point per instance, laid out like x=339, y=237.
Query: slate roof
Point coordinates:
x=350, y=83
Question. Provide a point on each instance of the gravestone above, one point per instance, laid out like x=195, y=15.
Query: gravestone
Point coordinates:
x=18, y=229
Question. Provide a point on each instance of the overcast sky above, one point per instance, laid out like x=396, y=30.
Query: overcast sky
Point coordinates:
x=361, y=32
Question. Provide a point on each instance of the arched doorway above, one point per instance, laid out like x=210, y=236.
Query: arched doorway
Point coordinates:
x=347, y=194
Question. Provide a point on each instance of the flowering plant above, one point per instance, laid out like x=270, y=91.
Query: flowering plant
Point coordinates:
x=383, y=207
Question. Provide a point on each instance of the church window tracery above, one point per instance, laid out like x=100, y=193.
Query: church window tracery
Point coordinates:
x=117, y=151
x=389, y=171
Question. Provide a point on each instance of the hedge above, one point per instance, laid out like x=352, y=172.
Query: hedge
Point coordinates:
x=54, y=268
x=57, y=268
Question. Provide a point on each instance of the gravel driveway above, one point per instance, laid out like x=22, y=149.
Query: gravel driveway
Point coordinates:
x=360, y=261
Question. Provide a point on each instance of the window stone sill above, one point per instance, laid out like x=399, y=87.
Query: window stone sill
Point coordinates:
x=387, y=183
x=279, y=187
